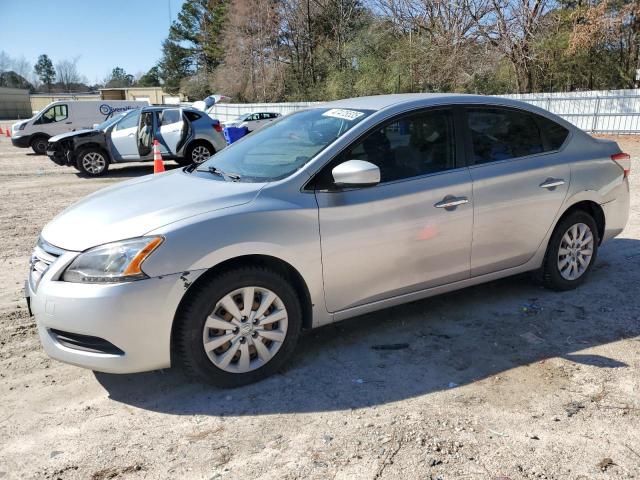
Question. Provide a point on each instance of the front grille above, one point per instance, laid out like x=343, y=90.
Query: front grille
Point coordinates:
x=85, y=343
x=41, y=259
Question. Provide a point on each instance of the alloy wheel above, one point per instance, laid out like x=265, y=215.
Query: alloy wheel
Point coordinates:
x=575, y=252
x=245, y=330
x=200, y=153
x=94, y=163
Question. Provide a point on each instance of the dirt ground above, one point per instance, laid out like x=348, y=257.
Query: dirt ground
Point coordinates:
x=501, y=381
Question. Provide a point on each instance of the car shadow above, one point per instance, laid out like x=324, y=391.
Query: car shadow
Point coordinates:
x=440, y=343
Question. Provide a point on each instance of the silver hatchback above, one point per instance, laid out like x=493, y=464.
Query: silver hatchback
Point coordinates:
x=325, y=214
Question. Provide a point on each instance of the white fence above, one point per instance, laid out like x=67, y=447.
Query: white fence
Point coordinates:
x=229, y=111
x=601, y=111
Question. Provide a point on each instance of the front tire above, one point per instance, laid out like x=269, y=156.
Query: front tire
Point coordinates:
x=571, y=252
x=238, y=327
x=39, y=145
x=92, y=162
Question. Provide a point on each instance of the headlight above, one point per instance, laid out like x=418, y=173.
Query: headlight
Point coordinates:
x=113, y=262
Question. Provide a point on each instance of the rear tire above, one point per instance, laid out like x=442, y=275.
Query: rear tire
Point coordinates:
x=571, y=252
x=196, y=153
x=92, y=162
x=39, y=144
x=230, y=349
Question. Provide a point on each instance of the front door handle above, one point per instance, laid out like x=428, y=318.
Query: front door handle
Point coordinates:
x=552, y=183
x=451, y=202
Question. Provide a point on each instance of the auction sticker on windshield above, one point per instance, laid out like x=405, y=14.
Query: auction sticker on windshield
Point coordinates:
x=343, y=114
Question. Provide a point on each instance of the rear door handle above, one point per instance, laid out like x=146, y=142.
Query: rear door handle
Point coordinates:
x=552, y=183
x=451, y=202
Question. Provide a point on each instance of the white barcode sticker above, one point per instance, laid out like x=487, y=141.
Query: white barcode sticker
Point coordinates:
x=343, y=113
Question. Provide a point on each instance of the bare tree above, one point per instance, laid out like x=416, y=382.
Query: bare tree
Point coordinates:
x=251, y=69
x=22, y=67
x=514, y=29
x=67, y=72
x=445, y=47
x=5, y=61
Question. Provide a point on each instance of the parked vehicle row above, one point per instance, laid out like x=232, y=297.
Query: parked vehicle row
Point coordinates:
x=331, y=212
x=65, y=116
x=253, y=121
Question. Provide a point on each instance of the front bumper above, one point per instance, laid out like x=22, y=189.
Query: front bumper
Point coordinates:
x=21, y=142
x=135, y=317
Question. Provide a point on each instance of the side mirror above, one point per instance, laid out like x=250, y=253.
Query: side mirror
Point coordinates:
x=356, y=173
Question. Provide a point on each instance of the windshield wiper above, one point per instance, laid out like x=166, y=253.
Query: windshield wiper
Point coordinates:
x=234, y=177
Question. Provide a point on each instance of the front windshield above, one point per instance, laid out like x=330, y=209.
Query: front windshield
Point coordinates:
x=107, y=123
x=278, y=150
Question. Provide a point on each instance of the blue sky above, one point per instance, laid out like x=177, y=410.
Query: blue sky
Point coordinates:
x=104, y=34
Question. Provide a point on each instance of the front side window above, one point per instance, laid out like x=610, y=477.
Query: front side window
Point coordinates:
x=129, y=121
x=410, y=146
x=54, y=114
x=285, y=145
x=502, y=134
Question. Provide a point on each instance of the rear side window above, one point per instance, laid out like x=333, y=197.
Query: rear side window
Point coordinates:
x=192, y=116
x=170, y=116
x=555, y=134
x=502, y=134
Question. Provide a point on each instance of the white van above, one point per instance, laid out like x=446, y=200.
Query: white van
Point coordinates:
x=65, y=116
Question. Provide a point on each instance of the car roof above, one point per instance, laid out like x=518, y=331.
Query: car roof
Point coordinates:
x=380, y=102
x=417, y=100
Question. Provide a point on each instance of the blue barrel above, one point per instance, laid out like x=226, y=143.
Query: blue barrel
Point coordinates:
x=232, y=134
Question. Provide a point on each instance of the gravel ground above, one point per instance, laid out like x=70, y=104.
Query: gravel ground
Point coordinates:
x=500, y=381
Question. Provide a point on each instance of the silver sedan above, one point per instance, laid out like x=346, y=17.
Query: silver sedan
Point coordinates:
x=325, y=214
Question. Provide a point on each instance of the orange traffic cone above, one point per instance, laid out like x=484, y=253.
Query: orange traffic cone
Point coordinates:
x=158, y=164
x=8, y=132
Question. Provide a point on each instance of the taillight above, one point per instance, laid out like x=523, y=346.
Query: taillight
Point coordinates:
x=217, y=127
x=624, y=160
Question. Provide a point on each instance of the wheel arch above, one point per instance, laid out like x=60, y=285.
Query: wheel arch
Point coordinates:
x=592, y=208
x=38, y=135
x=284, y=268
x=79, y=147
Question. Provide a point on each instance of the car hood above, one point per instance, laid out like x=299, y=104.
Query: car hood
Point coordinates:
x=75, y=133
x=135, y=207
